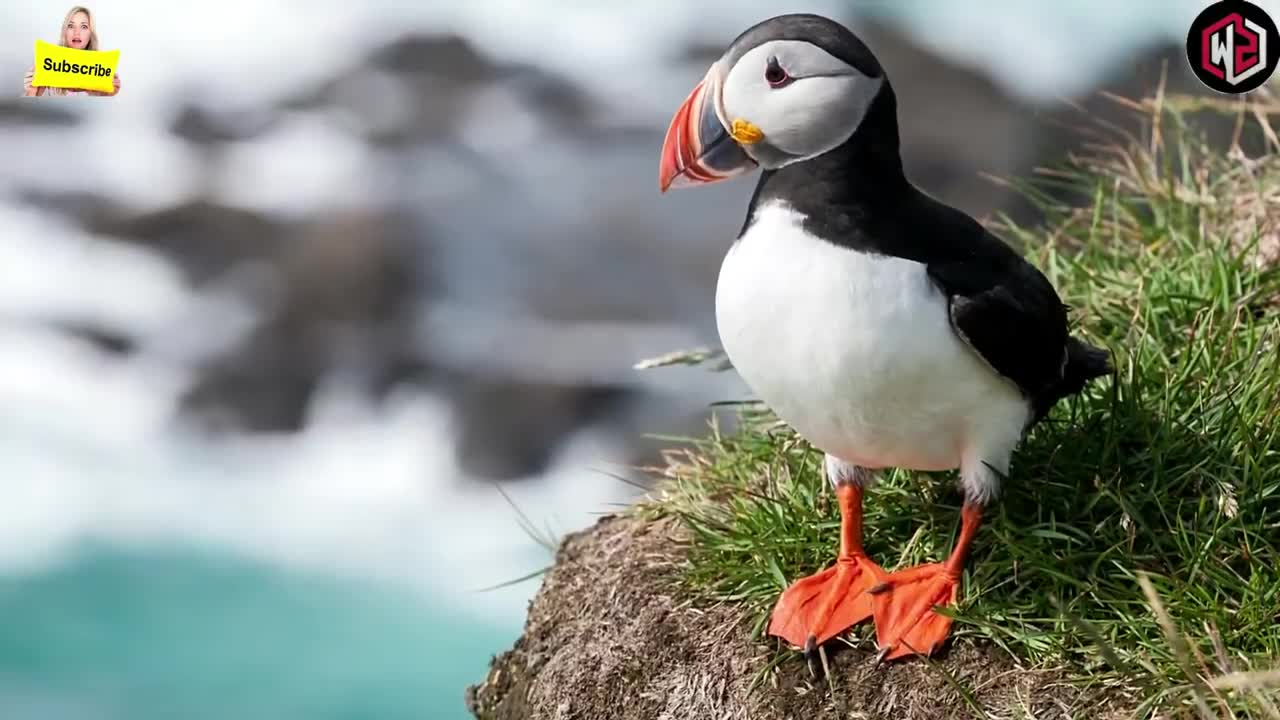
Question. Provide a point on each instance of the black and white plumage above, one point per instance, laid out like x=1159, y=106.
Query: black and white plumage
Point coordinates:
x=887, y=328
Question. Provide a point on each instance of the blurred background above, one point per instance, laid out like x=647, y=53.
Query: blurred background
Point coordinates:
x=279, y=321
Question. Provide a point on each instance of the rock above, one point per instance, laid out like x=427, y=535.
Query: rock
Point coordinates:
x=612, y=634
x=107, y=340
x=446, y=54
x=266, y=386
x=509, y=429
x=203, y=237
x=203, y=126
x=425, y=88
x=346, y=292
x=89, y=210
x=35, y=111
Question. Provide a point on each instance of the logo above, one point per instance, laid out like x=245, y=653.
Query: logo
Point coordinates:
x=1232, y=46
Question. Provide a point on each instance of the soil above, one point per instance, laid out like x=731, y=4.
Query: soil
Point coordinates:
x=612, y=635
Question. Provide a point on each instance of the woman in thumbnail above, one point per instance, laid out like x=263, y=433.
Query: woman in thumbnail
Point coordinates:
x=77, y=32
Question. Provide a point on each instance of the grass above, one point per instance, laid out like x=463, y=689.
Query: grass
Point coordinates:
x=1137, y=542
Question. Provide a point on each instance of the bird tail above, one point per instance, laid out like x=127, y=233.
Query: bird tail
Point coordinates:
x=1084, y=363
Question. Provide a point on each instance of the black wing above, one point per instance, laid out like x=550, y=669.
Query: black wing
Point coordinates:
x=1007, y=311
x=1000, y=305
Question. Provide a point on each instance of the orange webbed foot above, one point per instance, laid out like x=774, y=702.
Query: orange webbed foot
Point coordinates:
x=906, y=622
x=819, y=607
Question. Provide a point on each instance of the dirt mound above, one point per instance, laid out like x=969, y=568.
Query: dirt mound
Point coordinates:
x=609, y=635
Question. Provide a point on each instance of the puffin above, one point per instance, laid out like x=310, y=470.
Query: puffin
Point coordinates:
x=888, y=329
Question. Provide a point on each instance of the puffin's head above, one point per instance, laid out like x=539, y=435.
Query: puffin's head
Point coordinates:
x=788, y=89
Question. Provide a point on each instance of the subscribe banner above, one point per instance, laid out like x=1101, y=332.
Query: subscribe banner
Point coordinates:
x=63, y=67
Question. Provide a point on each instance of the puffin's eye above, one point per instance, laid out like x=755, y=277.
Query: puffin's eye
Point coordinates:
x=775, y=75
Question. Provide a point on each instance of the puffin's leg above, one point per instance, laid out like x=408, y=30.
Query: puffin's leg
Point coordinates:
x=819, y=607
x=906, y=622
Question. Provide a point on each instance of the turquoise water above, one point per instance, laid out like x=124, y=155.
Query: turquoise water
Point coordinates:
x=144, y=636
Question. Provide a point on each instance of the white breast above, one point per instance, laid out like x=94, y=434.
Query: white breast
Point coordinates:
x=855, y=351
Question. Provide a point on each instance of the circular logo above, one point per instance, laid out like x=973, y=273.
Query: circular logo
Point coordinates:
x=1232, y=46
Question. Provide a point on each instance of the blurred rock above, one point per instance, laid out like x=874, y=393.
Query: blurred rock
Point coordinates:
x=86, y=209
x=266, y=386
x=348, y=290
x=109, y=341
x=425, y=88
x=205, y=126
x=204, y=238
x=35, y=111
x=448, y=56
x=510, y=429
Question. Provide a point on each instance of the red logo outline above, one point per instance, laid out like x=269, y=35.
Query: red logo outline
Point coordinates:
x=1246, y=54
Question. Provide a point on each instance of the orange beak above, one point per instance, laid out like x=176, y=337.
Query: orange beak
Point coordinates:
x=698, y=148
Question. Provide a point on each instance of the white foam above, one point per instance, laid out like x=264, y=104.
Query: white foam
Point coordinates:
x=306, y=165
x=140, y=167
x=51, y=271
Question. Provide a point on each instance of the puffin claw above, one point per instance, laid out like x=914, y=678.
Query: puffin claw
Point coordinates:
x=811, y=656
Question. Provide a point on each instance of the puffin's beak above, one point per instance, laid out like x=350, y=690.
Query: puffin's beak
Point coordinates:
x=698, y=148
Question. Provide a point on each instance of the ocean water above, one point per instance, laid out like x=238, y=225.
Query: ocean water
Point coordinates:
x=149, y=573
x=112, y=634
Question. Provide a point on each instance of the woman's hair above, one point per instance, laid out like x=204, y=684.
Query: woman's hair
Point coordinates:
x=62, y=40
x=93, y=31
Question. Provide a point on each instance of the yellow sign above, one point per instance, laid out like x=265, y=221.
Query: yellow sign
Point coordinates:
x=64, y=67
